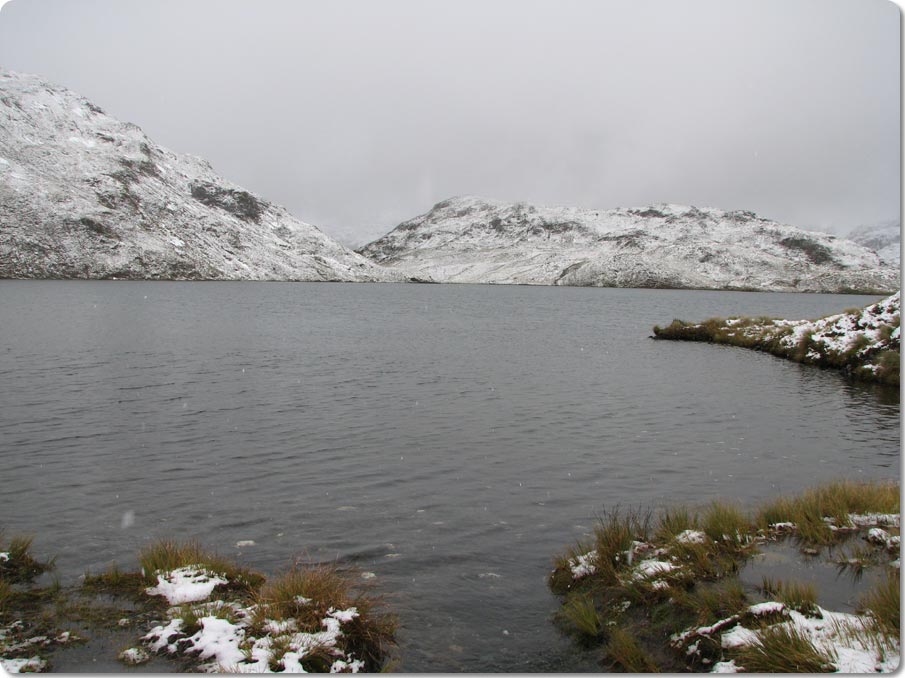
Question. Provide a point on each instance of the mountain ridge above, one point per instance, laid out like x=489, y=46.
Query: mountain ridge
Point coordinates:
x=477, y=240
x=84, y=195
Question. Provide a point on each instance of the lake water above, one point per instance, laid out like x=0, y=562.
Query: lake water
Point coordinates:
x=449, y=439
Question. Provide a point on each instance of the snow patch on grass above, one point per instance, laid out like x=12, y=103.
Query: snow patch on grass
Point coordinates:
x=583, y=565
x=186, y=584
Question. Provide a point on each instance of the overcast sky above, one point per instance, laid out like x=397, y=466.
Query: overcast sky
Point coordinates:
x=359, y=114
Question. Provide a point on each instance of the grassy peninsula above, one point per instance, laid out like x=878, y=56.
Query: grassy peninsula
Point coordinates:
x=863, y=343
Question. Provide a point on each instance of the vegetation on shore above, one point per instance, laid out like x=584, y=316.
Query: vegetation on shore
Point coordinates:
x=200, y=609
x=863, y=343
x=24, y=640
x=661, y=592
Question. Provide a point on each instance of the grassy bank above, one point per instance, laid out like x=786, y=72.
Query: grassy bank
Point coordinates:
x=661, y=591
x=198, y=609
x=863, y=343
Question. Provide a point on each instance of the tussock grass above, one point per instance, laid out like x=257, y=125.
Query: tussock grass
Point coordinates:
x=167, y=555
x=796, y=595
x=673, y=521
x=709, y=603
x=305, y=594
x=18, y=565
x=706, y=561
x=624, y=650
x=114, y=582
x=726, y=525
x=614, y=539
x=191, y=620
x=561, y=580
x=835, y=500
x=883, y=601
x=6, y=594
x=581, y=613
x=783, y=649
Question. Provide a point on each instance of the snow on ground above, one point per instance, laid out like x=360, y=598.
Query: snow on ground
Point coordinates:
x=691, y=537
x=868, y=519
x=134, y=656
x=583, y=565
x=14, y=639
x=236, y=638
x=770, y=607
x=102, y=199
x=185, y=585
x=837, y=634
x=474, y=240
x=31, y=665
x=865, y=342
x=837, y=334
x=651, y=568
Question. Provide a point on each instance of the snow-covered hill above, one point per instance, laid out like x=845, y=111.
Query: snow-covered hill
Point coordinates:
x=473, y=240
x=885, y=239
x=83, y=195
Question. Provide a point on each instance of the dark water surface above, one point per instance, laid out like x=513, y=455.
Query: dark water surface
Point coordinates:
x=450, y=439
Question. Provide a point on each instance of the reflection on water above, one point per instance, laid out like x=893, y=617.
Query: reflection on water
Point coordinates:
x=449, y=439
x=838, y=589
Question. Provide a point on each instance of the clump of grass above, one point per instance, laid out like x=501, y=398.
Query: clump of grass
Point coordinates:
x=711, y=602
x=191, y=621
x=674, y=521
x=305, y=594
x=561, y=578
x=888, y=363
x=783, y=649
x=114, y=582
x=614, y=539
x=726, y=525
x=835, y=500
x=17, y=565
x=858, y=557
x=624, y=650
x=279, y=646
x=167, y=555
x=581, y=614
x=883, y=602
x=706, y=561
x=6, y=594
x=796, y=595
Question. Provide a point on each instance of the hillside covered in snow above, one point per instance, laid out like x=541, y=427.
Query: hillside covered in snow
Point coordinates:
x=885, y=239
x=473, y=240
x=83, y=195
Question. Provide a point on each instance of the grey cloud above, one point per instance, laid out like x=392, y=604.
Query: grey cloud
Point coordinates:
x=357, y=114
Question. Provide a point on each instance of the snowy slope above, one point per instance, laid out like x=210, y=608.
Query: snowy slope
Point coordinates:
x=885, y=239
x=473, y=240
x=84, y=195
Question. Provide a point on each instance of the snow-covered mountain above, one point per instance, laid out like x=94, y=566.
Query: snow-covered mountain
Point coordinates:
x=885, y=239
x=473, y=240
x=83, y=195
